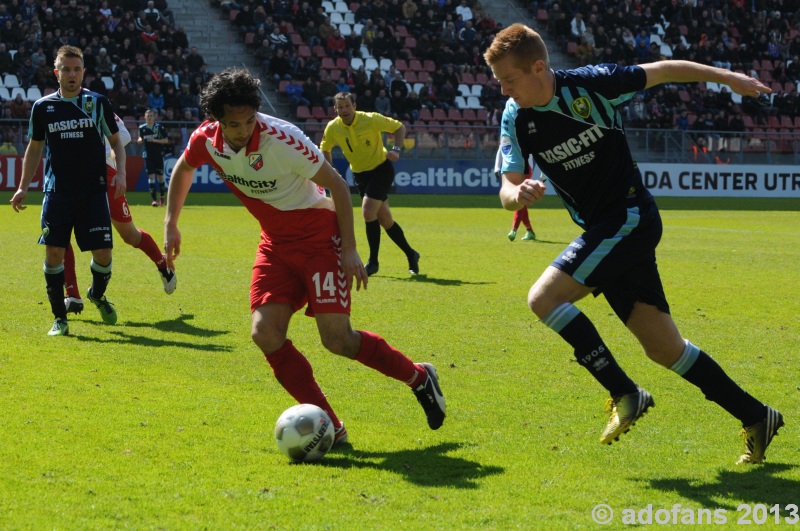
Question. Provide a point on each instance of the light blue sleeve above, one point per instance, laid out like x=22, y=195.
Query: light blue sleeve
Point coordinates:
x=509, y=146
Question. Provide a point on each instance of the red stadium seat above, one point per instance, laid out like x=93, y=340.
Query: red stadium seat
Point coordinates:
x=469, y=116
x=572, y=48
x=467, y=78
x=766, y=64
x=425, y=115
x=454, y=115
x=797, y=123
x=411, y=43
x=541, y=16
x=411, y=76
x=282, y=85
x=304, y=51
x=786, y=123
x=401, y=65
x=439, y=115
x=249, y=38
x=328, y=63
x=303, y=113
x=429, y=66
x=481, y=78
x=400, y=31
x=318, y=113
x=415, y=65
x=297, y=39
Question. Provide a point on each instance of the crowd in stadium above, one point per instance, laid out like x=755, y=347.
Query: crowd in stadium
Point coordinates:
x=416, y=60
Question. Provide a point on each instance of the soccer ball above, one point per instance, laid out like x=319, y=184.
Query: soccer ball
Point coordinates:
x=304, y=433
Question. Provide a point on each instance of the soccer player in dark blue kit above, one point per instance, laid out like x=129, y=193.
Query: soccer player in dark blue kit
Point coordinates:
x=569, y=121
x=154, y=138
x=71, y=126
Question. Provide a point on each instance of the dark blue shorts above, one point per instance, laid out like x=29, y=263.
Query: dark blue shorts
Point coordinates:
x=154, y=165
x=618, y=257
x=85, y=213
x=377, y=182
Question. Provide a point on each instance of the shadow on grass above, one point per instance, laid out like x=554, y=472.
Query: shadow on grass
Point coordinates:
x=433, y=280
x=754, y=484
x=428, y=467
x=179, y=325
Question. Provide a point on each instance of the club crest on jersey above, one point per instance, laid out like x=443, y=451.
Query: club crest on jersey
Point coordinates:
x=256, y=161
x=582, y=107
x=88, y=106
x=505, y=145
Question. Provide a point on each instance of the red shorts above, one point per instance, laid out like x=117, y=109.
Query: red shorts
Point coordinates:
x=299, y=274
x=118, y=207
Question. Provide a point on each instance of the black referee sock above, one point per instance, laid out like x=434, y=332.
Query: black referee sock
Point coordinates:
x=101, y=275
x=374, y=240
x=590, y=351
x=54, y=279
x=399, y=238
x=698, y=368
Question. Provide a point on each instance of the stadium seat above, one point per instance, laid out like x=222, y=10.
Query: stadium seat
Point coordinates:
x=303, y=113
x=400, y=31
x=357, y=28
x=341, y=7
x=354, y=6
x=429, y=66
x=304, y=51
x=350, y=18
x=328, y=64
x=477, y=90
x=439, y=115
x=18, y=90
x=411, y=43
x=5, y=94
x=454, y=115
x=425, y=115
x=572, y=48
x=385, y=64
x=10, y=81
x=411, y=77
x=370, y=65
x=473, y=103
x=401, y=65
x=415, y=65
x=483, y=114
x=342, y=63
x=748, y=121
x=356, y=63
x=296, y=39
x=232, y=14
x=318, y=113
x=418, y=86
x=464, y=90
x=797, y=123
x=365, y=54
x=335, y=74
x=542, y=16
x=481, y=78
x=461, y=101
x=319, y=51
x=336, y=18
x=786, y=123
x=282, y=85
x=666, y=51
x=766, y=64
x=469, y=116
x=328, y=6
x=467, y=78
x=345, y=29
x=33, y=93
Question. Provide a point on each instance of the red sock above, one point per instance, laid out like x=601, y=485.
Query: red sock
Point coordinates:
x=377, y=354
x=70, y=279
x=149, y=246
x=295, y=374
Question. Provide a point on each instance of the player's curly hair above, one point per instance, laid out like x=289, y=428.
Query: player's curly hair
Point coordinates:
x=233, y=86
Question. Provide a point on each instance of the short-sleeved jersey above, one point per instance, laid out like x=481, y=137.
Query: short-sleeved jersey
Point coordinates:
x=153, y=150
x=578, y=140
x=362, y=140
x=74, y=131
x=124, y=136
x=271, y=176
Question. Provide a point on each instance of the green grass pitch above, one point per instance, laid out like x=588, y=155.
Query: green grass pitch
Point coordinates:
x=165, y=420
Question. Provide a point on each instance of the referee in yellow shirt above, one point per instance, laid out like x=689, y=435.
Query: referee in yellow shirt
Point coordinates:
x=359, y=135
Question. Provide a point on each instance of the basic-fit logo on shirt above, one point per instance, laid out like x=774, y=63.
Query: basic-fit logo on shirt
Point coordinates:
x=256, y=161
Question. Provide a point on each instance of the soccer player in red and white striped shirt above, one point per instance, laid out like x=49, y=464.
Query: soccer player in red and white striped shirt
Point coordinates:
x=307, y=255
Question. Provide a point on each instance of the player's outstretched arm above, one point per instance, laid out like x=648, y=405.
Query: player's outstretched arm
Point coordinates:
x=328, y=177
x=688, y=72
x=33, y=155
x=179, y=184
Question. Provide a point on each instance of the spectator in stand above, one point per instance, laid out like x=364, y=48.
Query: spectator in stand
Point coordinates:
x=577, y=27
x=682, y=121
x=449, y=34
x=140, y=102
x=467, y=35
x=19, y=107
x=194, y=60
x=244, y=19
x=327, y=90
x=124, y=103
x=294, y=90
x=383, y=104
x=326, y=29
x=464, y=11
x=398, y=105
x=366, y=102
x=311, y=91
x=155, y=99
x=103, y=64
x=152, y=15
x=279, y=67
x=189, y=101
x=410, y=10
x=277, y=39
x=447, y=95
x=5, y=58
x=342, y=85
x=584, y=53
x=335, y=45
